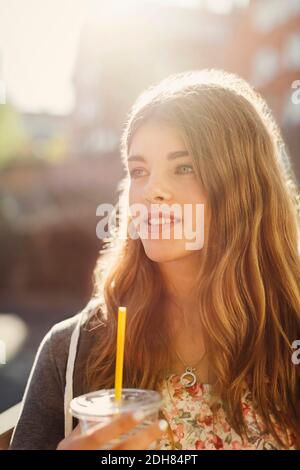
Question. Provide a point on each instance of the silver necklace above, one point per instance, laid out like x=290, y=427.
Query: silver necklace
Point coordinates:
x=188, y=377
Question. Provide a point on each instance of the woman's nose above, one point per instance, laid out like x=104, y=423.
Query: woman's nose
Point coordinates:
x=155, y=191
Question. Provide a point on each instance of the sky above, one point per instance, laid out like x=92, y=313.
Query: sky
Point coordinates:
x=38, y=42
x=38, y=45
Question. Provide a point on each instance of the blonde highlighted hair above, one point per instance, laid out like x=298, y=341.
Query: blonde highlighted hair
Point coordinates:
x=249, y=294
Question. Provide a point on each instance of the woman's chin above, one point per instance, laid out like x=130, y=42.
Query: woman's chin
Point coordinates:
x=159, y=252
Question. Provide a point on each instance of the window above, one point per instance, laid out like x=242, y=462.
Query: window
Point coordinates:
x=265, y=66
x=291, y=52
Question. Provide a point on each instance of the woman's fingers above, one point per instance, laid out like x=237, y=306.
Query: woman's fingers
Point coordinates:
x=76, y=431
x=98, y=436
x=142, y=439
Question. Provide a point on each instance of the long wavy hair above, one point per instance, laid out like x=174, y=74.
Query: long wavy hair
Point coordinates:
x=249, y=294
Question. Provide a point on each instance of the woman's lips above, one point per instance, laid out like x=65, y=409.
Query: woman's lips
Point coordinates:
x=158, y=225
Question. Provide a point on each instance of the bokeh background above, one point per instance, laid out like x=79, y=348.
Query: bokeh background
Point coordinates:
x=69, y=72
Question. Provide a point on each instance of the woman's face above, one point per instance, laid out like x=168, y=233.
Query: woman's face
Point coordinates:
x=163, y=180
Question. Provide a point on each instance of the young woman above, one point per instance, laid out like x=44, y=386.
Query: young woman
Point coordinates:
x=212, y=328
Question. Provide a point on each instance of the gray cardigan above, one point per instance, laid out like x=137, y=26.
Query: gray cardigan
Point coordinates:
x=41, y=424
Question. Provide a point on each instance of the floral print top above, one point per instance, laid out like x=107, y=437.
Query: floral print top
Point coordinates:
x=193, y=425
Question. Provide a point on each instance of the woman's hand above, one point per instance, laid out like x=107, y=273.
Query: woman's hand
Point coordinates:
x=98, y=436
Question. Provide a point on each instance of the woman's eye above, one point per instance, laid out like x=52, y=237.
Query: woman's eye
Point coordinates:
x=184, y=169
x=136, y=172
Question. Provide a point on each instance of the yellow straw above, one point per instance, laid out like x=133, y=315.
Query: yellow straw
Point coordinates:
x=120, y=352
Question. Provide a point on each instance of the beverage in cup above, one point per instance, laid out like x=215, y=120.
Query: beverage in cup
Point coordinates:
x=101, y=407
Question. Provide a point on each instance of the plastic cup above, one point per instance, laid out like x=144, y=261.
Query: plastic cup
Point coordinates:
x=100, y=407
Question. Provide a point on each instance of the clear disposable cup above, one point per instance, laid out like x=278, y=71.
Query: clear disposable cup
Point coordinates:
x=100, y=407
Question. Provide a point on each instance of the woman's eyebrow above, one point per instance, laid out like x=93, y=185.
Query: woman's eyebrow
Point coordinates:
x=170, y=156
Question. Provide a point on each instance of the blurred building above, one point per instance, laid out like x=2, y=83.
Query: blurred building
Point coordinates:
x=125, y=50
x=266, y=51
x=122, y=51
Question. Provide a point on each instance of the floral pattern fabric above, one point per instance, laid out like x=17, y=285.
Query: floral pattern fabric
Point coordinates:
x=194, y=426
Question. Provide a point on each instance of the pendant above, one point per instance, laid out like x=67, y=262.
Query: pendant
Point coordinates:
x=188, y=378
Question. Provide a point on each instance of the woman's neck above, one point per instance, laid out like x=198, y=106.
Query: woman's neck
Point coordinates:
x=180, y=277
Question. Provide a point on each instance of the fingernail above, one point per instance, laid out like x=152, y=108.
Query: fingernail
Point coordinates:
x=163, y=425
x=138, y=416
